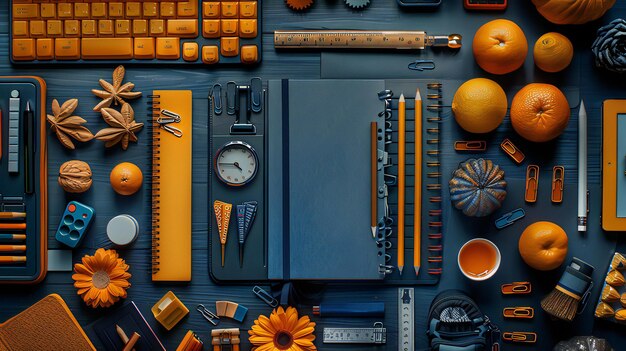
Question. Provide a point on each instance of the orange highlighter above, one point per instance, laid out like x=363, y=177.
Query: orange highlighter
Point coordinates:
x=12, y=226
x=12, y=248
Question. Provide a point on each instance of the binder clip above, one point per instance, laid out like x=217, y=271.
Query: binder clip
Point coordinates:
x=254, y=103
x=518, y=312
x=265, y=296
x=475, y=145
x=558, y=178
x=516, y=288
x=520, y=337
x=207, y=314
x=532, y=183
x=510, y=149
x=510, y=218
x=225, y=339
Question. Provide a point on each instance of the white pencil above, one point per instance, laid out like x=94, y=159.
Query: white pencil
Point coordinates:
x=582, y=168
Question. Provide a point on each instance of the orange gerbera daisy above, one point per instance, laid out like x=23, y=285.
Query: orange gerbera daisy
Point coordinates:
x=283, y=331
x=102, y=279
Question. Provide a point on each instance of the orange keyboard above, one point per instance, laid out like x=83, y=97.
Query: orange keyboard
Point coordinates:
x=88, y=31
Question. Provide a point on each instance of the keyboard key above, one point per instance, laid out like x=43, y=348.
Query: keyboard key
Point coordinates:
x=105, y=27
x=133, y=9
x=107, y=48
x=20, y=29
x=23, y=49
x=67, y=48
x=88, y=28
x=81, y=11
x=184, y=28
x=54, y=28
x=168, y=10
x=150, y=10
x=122, y=28
x=230, y=27
x=210, y=10
x=116, y=10
x=65, y=10
x=156, y=28
x=229, y=9
x=37, y=28
x=187, y=8
x=144, y=48
x=72, y=28
x=26, y=11
x=48, y=11
x=229, y=46
x=210, y=54
x=190, y=51
x=247, y=9
x=98, y=10
x=168, y=48
x=249, y=54
x=140, y=28
x=45, y=49
x=247, y=28
x=211, y=28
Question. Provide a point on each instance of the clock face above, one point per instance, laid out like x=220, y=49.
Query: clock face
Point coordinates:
x=236, y=163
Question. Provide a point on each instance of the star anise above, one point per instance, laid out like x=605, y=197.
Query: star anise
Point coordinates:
x=115, y=93
x=123, y=126
x=65, y=125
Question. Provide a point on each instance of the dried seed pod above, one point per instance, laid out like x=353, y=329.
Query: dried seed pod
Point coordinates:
x=604, y=310
x=620, y=315
x=618, y=262
x=75, y=176
x=615, y=278
x=609, y=294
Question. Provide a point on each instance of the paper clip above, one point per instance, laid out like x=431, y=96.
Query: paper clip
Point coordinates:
x=216, y=97
x=532, y=183
x=558, y=178
x=265, y=296
x=170, y=117
x=510, y=149
x=421, y=65
x=518, y=312
x=474, y=145
x=516, y=288
x=208, y=315
x=510, y=218
x=522, y=337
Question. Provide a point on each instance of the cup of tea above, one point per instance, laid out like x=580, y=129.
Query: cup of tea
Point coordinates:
x=479, y=259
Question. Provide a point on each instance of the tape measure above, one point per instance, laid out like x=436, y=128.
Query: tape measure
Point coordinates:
x=406, y=337
x=362, y=39
x=375, y=335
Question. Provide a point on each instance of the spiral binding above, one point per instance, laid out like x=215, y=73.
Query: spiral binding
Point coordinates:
x=433, y=164
x=155, y=132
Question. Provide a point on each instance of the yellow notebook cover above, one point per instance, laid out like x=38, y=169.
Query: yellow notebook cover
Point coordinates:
x=171, y=189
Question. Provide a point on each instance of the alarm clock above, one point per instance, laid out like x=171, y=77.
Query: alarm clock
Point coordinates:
x=236, y=163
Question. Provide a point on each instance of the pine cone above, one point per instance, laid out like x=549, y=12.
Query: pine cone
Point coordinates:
x=609, y=48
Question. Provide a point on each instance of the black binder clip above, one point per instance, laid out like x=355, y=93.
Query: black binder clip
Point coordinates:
x=254, y=103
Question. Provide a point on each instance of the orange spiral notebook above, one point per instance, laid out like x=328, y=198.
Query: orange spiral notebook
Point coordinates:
x=171, y=186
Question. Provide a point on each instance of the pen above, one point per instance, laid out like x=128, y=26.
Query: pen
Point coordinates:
x=29, y=149
x=12, y=259
x=582, y=168
x=350, y=309
x=12, y=248
x=12, y=237
x=12, y=226
x=5, y=215
x=374, y=176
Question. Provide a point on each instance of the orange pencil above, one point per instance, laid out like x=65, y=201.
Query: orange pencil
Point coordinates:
x=12, y=248
x=401, y=164
x=5, y=215
x=417, y=190
x=12, y=259
x=0, y=134
x=12, y=226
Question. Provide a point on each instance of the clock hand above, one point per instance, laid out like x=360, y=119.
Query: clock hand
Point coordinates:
x=236, y=164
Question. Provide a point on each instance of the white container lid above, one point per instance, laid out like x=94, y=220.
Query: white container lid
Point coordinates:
x=122, y=230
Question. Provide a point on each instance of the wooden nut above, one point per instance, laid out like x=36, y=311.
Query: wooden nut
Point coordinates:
x=75, y=176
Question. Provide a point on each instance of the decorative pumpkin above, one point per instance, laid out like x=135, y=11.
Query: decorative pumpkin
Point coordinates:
x=543, y=245
x=572, y=11
x=478, y=187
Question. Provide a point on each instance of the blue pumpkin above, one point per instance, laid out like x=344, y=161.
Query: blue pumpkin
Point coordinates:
x=478, y=187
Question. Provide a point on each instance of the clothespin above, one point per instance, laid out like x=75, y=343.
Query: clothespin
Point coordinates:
x=518, y=312
x=474, y=145
x=558, y=178
x=516, y=288
x=532, y=183
x=521, y=337
x=510, y=149
x=510, y=218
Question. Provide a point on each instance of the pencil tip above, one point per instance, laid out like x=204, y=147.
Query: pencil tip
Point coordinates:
x=374, y=232
x=27, y=105
x=417, y=270
x=401, y=98
x=400, y=269
x=418, y=96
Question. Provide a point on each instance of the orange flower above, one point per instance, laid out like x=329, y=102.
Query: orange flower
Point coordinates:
x=102, y=279
x=283, y=331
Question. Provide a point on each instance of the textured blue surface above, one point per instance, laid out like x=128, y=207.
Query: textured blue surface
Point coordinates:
x=66, y=82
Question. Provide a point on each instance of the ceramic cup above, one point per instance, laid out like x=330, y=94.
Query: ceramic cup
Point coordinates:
x=479, y=259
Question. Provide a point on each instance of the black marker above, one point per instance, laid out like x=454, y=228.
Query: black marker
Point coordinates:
x=29, y=149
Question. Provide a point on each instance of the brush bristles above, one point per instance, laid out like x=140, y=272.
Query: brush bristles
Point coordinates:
x=560, y=305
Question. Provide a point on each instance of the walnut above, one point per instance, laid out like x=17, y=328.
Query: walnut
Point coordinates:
x=75, y=176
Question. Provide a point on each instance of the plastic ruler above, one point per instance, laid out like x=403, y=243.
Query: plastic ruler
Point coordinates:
x=406, y=337
x=375, y=335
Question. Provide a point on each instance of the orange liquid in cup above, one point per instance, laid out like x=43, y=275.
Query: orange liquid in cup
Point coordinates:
x=478, y=258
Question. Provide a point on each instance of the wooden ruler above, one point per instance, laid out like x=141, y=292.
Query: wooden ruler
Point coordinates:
x=362, y=39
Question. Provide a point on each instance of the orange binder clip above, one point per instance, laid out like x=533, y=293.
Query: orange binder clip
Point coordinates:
x=532, y=183
x=510, y=149
x=474, y=145
x=558, y=178
x=516, y=288
x=521, y=337
x=518, y=312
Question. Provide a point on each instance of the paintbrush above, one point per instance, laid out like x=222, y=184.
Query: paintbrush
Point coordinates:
x=571, y=292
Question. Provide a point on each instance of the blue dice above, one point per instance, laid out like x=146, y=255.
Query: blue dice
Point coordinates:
x=74, y=223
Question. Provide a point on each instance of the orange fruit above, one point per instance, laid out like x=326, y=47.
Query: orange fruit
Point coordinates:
x=479, y=105
x=539, y=112
x=126, y=178
x=543, y=245
x=553, y=52
x=500, y=46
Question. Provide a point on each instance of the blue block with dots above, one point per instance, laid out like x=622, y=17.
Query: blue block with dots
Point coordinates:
x=74, y=223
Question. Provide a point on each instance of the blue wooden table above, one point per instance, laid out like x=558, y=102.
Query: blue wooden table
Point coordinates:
x=66, y=82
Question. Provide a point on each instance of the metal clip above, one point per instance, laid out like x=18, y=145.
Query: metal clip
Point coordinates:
x=510, y=149
x=518, y=312
x=265, y=296
x=516, y=288
x=177, y=132
x=232, y=95
x=256, y=94
x=558, y=179
x=474, y=145
x=532, y=183
x=521, y=337
x=208, y=315
x=421, y=65
x=216, y=97
x=171, y=117
x=510, y=218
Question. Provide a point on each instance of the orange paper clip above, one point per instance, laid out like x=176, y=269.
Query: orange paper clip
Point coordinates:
x=558, y=178
x=474, y=145
x=532, y=183
x=523, y=337
x=516, y=288
x=519, y=312
x=510, y=149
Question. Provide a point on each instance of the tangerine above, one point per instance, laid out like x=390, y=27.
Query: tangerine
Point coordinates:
x=500, y=46
x=479, y=105
x=553, y=52
x=126, y=178
x=539, y=112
